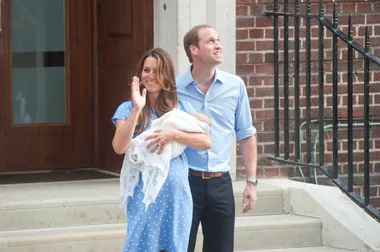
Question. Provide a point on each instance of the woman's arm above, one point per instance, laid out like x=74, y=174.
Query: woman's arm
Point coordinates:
x=126, y=128
x=124, y=132
x=163, y=137
x=199, y=141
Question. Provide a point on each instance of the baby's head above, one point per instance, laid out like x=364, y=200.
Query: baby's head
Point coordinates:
x=203, y=118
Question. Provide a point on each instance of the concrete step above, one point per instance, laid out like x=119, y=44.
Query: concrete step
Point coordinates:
x=251, y=232
x=270, y=199
x=92, y=238
x=276, y=231
x=92, y=202
x=59, y=204
x=306, y=249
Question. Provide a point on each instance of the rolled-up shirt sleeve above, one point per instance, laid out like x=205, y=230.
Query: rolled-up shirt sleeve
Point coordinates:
x=243, y=117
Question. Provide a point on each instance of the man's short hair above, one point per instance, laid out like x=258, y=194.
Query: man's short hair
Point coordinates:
x=192, y=38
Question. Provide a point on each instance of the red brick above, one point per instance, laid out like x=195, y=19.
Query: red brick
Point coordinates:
x=245, y=79
x=245, y=46
x=241, y=10
x=268, y=80
x=256, y=10
x=251, y=92
x=241, y=34
x=262, y=92
x=244, y=22
x=257, y=81
x=241, y=58
x=264, y=68
x=256, y=58
x=245, y=2
x=373, y=19
x=256, y=104
x=244, y=69
x=263, y=22
x=269, y=33
x=375, y=201
x=377, y=167
x=284, y=172
x=264, y=1
x=258, y=125
x=364, y=7
x=377, y=101
x=377, y=30
x=271, y=172
x=259, y=171
x=348, y=8
x=269, y=103
x=264, y=114
x=256, y=33
x=376, y=7
x=356, y=20
x=373, y=191
x=264, y=45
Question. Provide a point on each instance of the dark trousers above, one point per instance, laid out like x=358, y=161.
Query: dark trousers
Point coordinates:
x=214, y=208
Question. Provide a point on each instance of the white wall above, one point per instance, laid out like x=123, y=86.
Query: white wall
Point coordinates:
x=170, y=26
x=173, y=21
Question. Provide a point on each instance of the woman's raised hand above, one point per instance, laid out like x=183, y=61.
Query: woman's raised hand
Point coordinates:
x=138, y=99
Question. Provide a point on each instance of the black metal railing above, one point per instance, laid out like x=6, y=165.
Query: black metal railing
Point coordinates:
x=366, y=120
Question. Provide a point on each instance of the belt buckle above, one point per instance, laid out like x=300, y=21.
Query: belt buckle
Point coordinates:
x=203, y=176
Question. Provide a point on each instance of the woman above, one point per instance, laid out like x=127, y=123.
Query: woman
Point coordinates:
x=165, y=224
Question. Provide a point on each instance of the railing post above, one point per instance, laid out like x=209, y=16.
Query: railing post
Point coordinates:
x=321, y=76
x=350, y=171
x=366, y=122
x=276, y=84
x=308, y=82
x=335, y=95
x=286, y=80
x=297, y=80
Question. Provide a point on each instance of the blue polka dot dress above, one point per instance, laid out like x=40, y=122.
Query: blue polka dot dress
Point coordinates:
x=166, y=224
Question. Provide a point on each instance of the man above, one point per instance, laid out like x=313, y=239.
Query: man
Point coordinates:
x=223, y=97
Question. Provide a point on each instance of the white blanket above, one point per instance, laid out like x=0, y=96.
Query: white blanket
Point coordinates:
x=154, y=168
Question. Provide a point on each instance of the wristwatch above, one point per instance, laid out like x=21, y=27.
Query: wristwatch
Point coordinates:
x=253, y=181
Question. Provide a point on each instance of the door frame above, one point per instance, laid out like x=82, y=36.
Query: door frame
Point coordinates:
x=95, y=83
x=6, y=121
x=3, y=75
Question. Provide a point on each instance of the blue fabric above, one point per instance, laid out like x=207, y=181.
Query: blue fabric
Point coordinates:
x=166, y=223
x=226, y=103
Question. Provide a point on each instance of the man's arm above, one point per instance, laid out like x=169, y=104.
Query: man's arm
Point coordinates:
x=248, y=149
x=246, y=135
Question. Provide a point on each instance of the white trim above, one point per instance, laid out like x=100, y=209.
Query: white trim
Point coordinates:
x=178, y=16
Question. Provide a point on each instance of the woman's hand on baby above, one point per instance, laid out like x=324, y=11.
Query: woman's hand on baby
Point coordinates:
x=138, y=99
x=159, y=139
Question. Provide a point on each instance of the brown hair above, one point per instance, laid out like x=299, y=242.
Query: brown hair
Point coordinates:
x=168, y=98
x=192, y=38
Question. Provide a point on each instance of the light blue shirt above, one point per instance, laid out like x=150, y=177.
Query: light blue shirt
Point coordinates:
x=226, y=103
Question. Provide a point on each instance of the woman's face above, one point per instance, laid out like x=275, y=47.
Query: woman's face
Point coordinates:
x=149, y=77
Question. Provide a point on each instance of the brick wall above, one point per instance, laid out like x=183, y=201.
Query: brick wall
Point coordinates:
x=254, y=59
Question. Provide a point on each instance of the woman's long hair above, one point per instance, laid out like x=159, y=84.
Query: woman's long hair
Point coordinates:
x=165, y=76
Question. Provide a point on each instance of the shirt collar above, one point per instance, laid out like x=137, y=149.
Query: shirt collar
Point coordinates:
x=218, y=78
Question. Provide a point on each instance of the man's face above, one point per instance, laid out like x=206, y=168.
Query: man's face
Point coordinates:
x=210, y=49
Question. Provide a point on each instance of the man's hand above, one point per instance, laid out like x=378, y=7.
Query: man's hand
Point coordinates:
x=249, y=197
